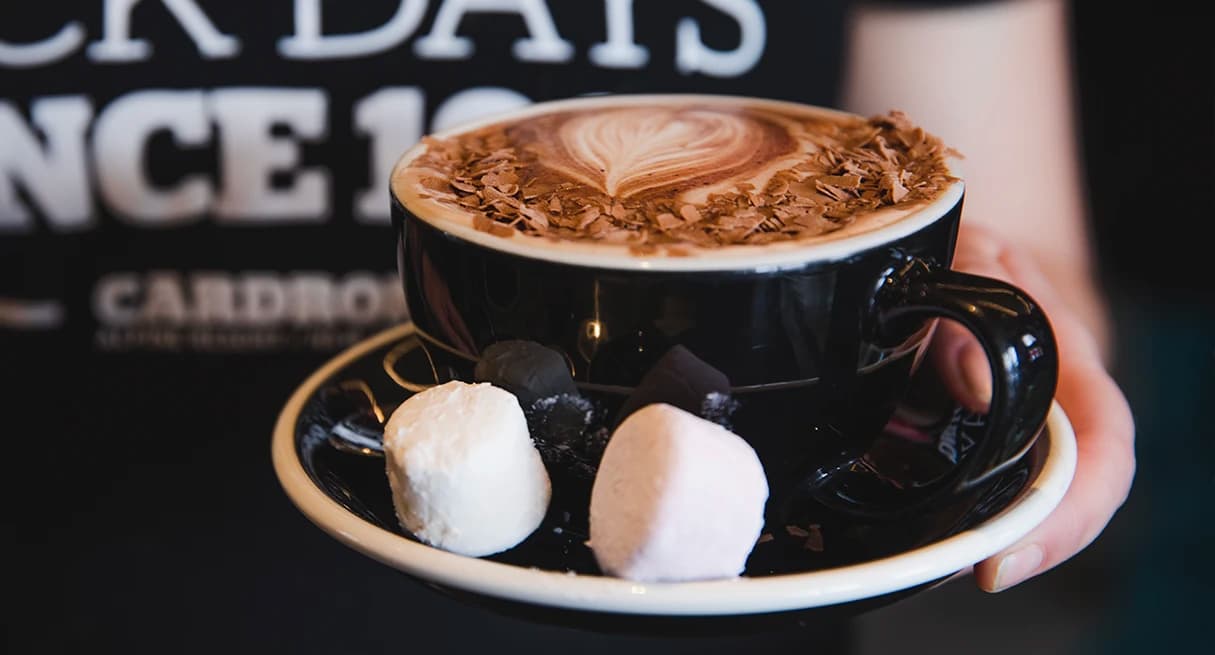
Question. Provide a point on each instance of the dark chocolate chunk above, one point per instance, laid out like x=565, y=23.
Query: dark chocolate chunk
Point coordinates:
x=527, y=369
x=568, y=432
x=678, y=378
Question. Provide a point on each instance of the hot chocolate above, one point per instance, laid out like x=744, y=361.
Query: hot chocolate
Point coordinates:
x=673, y=174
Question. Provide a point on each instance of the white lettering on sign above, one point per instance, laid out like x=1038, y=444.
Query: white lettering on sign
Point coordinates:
x=313, y=302
x=116, y=44
x=543, y=43
x=120, y=139
x=114, y=299
x=39, y=53
x=475, y=103
x=55, y=175
x=693, y=56
x=251, y=154
x=619, y=50
x=259, y=131
x=248, y=299
x=393, y=119
x=52, y=153
x=214, y=298
x=310, y=42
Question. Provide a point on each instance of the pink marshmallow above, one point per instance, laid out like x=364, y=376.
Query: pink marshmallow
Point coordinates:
x=676, y=498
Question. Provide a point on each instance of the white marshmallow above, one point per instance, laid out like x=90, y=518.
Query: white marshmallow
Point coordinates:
x=676, y=498
x=464, y=473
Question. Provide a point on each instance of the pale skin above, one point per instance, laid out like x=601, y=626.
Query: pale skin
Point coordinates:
x=994, y=81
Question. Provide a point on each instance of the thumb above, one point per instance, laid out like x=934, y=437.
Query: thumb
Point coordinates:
x=1105, y=468
x=955, y=352
x=962, y=365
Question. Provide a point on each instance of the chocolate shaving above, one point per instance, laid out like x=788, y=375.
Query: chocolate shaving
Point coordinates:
x=850, y=181
x=690, y=213
x=668, y=221
x=857, y=166
x=814, y=538
x=893, y=186
x=588, y=217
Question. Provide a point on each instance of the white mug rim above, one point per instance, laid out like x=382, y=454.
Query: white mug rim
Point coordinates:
x=773, y=256
x=744, y=595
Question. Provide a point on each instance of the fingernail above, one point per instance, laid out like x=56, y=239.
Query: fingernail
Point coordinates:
x=1017, y=566
x=976, y=373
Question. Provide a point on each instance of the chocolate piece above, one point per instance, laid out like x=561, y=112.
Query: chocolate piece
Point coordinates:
x=525, y=368
x=567, y=431
x=681, y=379
x=676, y=498
x=614, y=175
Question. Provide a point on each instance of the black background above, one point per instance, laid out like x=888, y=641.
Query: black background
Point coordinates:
x=141, y=513
x=1145, y=75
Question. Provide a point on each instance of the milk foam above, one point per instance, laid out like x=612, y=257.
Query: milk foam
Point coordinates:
x=627, y=151
x=679, y=148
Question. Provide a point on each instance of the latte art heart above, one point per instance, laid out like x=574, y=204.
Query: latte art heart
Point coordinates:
x=626, y=151
x=671, y=175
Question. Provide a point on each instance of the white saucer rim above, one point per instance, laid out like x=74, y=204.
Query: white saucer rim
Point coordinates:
x=719, y=597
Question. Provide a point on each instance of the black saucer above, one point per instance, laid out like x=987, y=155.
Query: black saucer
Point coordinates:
x=353, y=394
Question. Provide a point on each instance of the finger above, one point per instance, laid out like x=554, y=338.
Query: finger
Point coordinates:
x=1075, y=341
x=963, y=366
x=955, y=352
x=1105, y=468
x=1094, y=404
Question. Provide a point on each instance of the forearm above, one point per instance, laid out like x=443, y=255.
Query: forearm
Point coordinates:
x=993, y=80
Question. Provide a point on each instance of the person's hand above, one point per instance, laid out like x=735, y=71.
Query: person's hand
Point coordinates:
x=1092, y=401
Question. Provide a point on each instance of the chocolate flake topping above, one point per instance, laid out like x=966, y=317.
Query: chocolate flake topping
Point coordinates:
x=858, y=166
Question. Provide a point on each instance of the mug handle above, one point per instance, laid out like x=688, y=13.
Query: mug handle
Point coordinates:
x=1020, y=347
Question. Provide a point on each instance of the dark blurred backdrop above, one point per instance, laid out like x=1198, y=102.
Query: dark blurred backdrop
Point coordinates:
x=151, y=546
x=1148, y=122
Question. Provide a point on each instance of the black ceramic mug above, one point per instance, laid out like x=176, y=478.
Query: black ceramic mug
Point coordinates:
x=816, y=342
